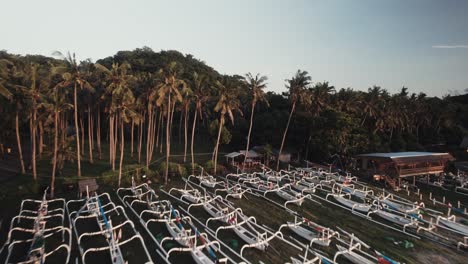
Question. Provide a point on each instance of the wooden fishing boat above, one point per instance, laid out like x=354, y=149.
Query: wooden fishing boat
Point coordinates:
x=360, y=207
x=398, y=206
x=289, y=195
x=354, y=257
x=400, y=220
x=459, y=227
x=309, y=235
x=180, y=234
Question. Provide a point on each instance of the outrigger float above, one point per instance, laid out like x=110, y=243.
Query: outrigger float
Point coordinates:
x=40, y=232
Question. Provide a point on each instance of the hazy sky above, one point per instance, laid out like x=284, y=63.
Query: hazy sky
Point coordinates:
x=422, y=44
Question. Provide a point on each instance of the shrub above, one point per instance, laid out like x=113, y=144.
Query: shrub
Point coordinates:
x=175, y=169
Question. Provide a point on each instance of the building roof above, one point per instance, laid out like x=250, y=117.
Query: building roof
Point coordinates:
x=233, y=155
x=250, y=154
x=395, y=155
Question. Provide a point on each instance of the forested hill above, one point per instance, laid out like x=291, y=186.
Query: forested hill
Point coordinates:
x=146, y=60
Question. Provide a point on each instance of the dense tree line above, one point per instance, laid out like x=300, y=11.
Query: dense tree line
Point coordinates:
x=145, y=99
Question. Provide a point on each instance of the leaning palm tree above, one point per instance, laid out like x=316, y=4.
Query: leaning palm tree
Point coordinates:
x=297, y=87
x=200, y=96
x=169, y=94
x=74, y=77
x=227, y=103
x=256, y=85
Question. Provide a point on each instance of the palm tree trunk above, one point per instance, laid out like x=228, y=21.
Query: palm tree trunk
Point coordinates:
x=284, y=135
x=185, y=133
x=111, y=137
x=140, y=140
x=115, y=136
x=41, y=139
x=18, y=141
x=180, y=125
x=90, y=132
x=148, y=137
x=82, y=133
x=33, y=152
x=54, y=161
x=161, y=124
x=154, y=124
x=77, y=132
x=221, y=121
x=248, y=136
x=121, y=149
x=193, y=139
x=99, y=133
x=168, y=139
x=131, y=139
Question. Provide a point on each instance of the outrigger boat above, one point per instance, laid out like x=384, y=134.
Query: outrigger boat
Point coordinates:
x=353, y=256
x=396, y=206
x=94, y=208
x=312, y=232
x=234, y=191
x=161, y=211
x=290, y=195
x=451, y=223
x=355, y=206
x=303, y=186
x=36, y=245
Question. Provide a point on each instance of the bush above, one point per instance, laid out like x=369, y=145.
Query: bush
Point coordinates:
x=209, y=167
x=128, y=171
x=175, y=169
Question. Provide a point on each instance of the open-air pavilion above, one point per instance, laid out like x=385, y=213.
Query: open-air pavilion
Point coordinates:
x=394, y=166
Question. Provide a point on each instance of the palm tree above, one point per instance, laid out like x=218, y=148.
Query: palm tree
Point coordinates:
x=56, y=106
x=169, y=94
x=76, y=77
x=256, y=86
x=7, y=72
x=187, y=94
x=297, y=87
x=200, y=96
x=122, y=100
x=227, y=103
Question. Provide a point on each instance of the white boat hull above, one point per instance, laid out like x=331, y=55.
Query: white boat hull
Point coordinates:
x=455, y=226
x=354, y=257
x=363, y=208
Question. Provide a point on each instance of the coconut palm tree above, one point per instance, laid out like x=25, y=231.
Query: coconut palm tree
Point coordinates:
x=169, y=94
x=187, y=96
x=56, y=106
x=256, y=85
x=200, y=96
x=7, y=73
x=228, y=103
x=75, y=77
x=122, y=101
x=297, y=87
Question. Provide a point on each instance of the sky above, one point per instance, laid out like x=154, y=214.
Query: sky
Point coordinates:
x=420, y=44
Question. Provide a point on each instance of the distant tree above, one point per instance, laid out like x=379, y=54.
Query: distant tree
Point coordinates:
x=256, y=85
x=227, y=104
x=297, y=87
